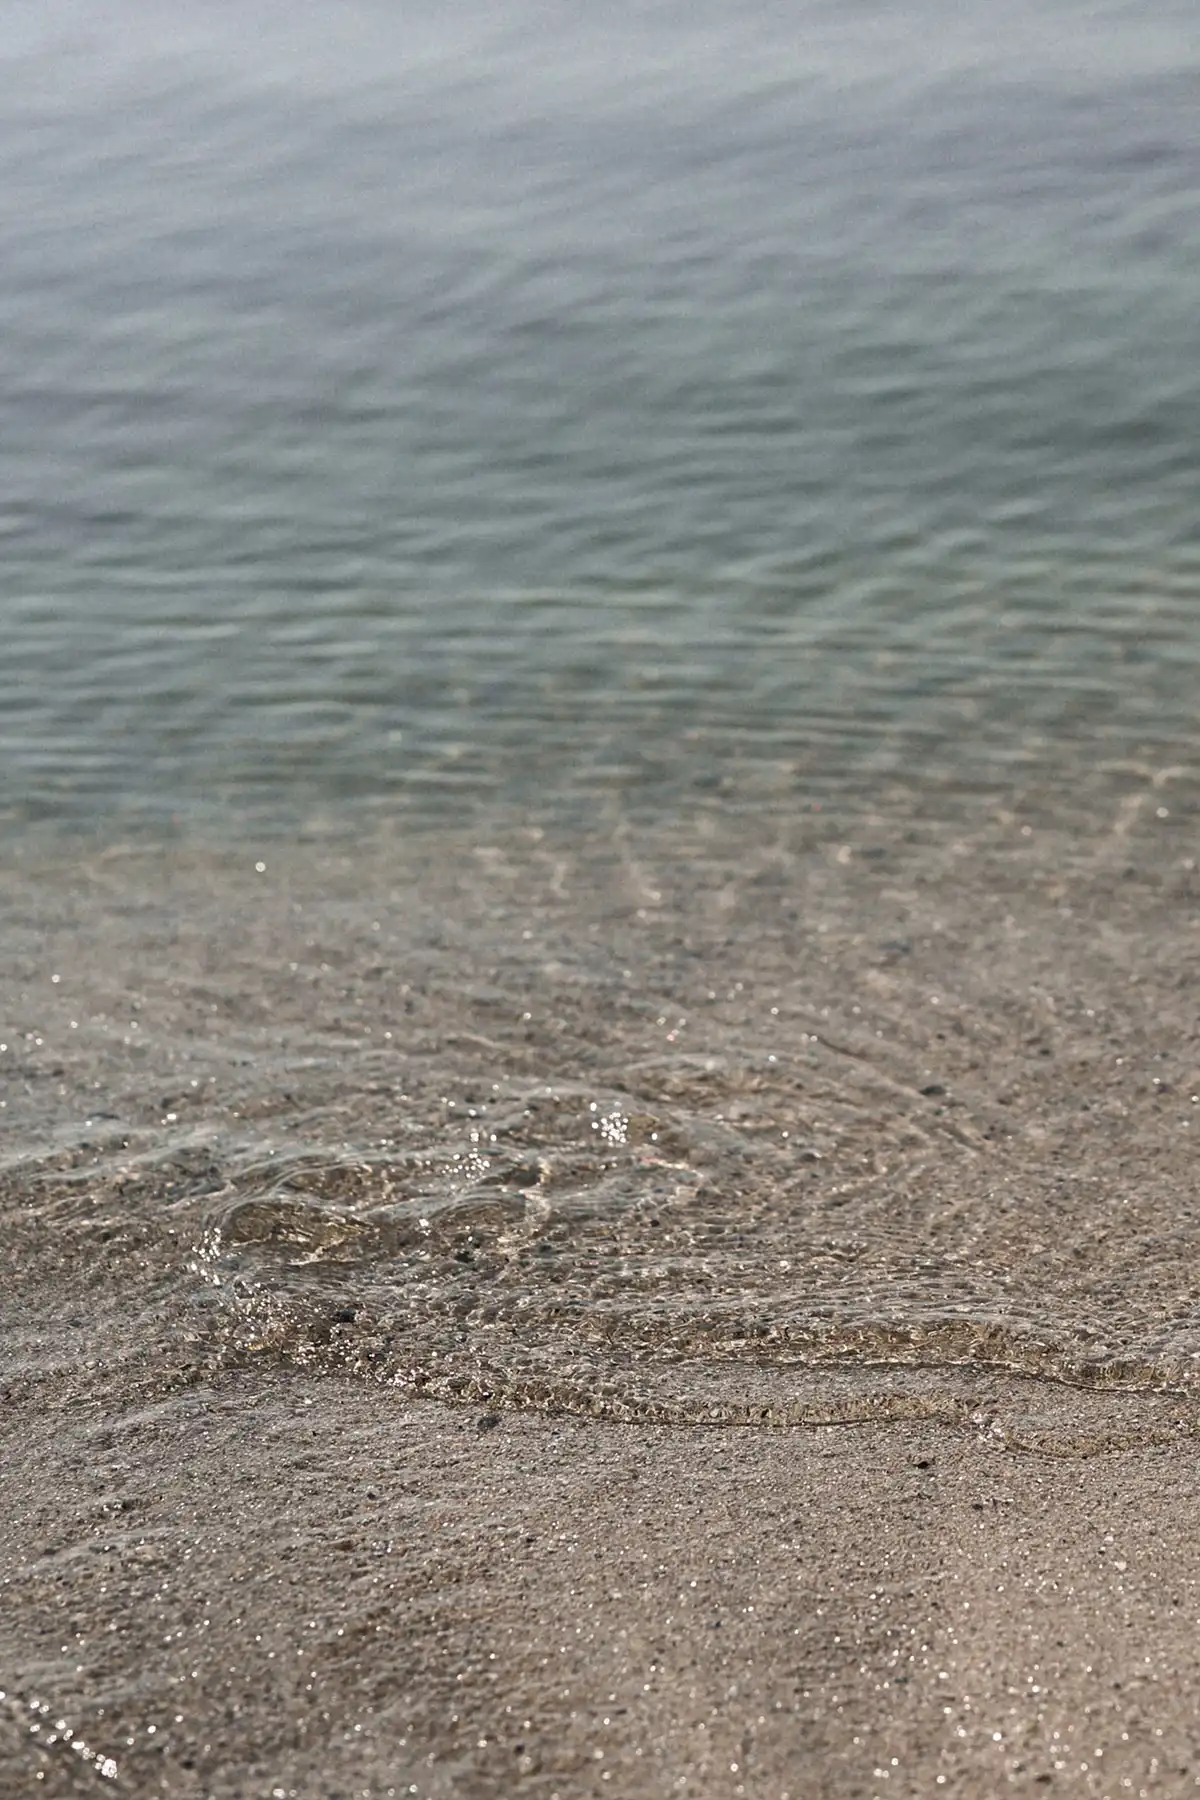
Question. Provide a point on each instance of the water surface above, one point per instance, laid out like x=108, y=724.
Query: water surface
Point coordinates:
x=427, y=409
x=597, y=705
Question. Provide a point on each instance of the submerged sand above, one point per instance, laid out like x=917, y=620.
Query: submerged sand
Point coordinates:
x=709, y=1313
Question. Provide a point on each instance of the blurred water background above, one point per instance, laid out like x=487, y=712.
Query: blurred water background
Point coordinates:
x=415, y=408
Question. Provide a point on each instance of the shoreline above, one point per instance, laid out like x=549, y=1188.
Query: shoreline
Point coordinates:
x=626, y=1117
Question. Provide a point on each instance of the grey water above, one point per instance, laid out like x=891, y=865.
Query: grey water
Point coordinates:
x=415, y=409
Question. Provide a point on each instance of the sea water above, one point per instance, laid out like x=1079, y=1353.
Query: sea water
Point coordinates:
x=597, y=698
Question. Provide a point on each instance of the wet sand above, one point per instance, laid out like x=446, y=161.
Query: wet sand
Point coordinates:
x=624, y=1321
x=287, y=1584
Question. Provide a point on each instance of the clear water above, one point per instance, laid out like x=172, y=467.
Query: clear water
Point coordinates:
x=598, y=700
x=415, y=411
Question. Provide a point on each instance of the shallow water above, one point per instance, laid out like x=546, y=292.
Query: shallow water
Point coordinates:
x=762, y=1125
x=598, y=708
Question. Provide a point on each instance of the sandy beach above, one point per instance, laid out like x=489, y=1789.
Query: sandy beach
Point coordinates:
x=287, y=1585
x=808, y=1413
